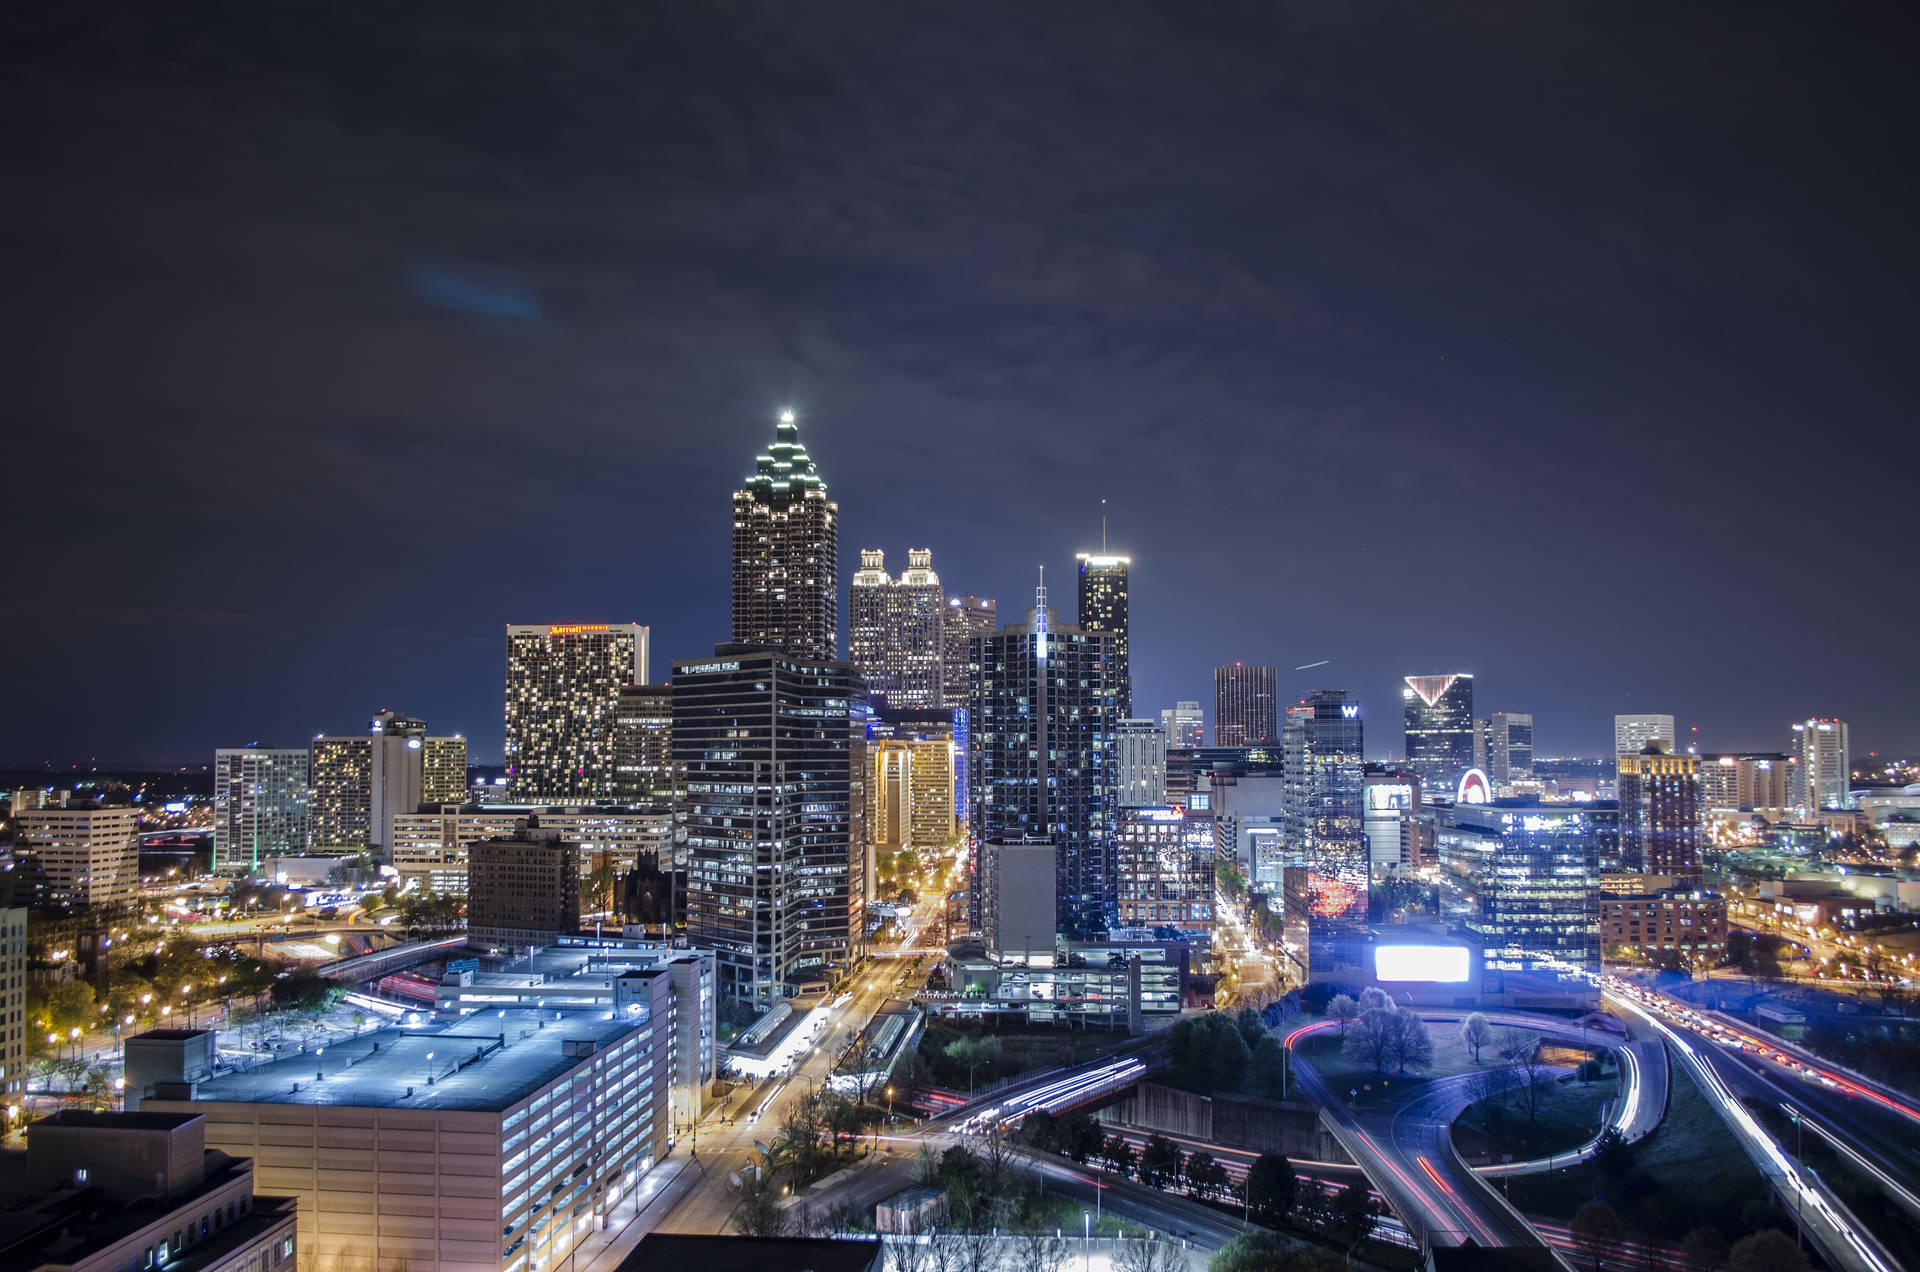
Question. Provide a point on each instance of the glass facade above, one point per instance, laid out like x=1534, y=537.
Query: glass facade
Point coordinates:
x=1042, y=755
x=1323, y=828
x=772, y=750
x=786, y=591
x=1103, y=608
x=1440, y=730
x=1660, y=814
x=1530, y=874
x=1165, y=874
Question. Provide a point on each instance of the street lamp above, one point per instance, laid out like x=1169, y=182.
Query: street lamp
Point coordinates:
x=429, y=1068
x=74, y=1034
x=1086, y=1245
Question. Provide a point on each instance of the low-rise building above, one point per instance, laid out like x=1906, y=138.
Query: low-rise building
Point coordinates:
x=1092, y=985
x=523, y=890
x=88, y=855
x=1659, y=917
x=488, y=1144
x=430, y=846
x=1164, y=871
x=122, y=1192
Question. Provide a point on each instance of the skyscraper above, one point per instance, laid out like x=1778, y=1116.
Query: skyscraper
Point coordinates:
x=1747, y=783
x=896, y=630
x=1507, y=739
x=1042, y=763
x=89, y=856
x=1660, y=813
x=563, y=708
x=1825, y=780
x=443, y=770
x=259, y=805
x=340, y=801
x=1534, y=871
x=643, y=745
x=967, y=617
x=785, y=541
x=1185, y=726
x=1322, y=827
x=1140, y=757
x=359, y=784
x=771, y=752
x=1631, y=733
x=1245, y=711
x=1103, y=608
x=1439, y=730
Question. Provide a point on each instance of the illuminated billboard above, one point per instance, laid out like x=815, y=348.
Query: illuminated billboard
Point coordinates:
x=1435, y=964
x=1387, y=797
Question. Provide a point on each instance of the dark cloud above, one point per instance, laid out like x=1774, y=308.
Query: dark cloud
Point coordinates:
x=1564, y=344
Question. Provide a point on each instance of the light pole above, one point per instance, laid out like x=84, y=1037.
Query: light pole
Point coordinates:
x=1086, y=1243
x=1799, y=1184
x=429, y=1068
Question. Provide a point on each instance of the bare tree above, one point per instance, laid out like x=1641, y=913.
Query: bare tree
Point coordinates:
x=1149, y=1255
x=1477, y=1032
x=979, y=1251
x=1342, y=1009
x=1037, y=1252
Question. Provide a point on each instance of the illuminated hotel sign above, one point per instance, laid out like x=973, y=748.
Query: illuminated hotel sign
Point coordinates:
x=576, y=629
x=707, y=668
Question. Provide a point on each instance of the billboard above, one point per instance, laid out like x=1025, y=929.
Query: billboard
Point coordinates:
x=1434, y=964
x=1387, y=797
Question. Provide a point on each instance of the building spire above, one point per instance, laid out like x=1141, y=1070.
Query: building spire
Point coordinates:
x=1103, y=527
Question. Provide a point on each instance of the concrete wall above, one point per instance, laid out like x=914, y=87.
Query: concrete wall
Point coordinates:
x=1231, y=1121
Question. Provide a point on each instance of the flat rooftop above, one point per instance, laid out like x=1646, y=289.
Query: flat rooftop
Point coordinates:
x=502, y=1057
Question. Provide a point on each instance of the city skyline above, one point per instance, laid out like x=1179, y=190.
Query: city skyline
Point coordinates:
x=1462, y=376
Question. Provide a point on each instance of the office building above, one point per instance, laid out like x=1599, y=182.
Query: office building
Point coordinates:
x=120, y=1192
x=1016, y=876
x=643, y=745
x=1533, y=871
x=13, y=1006
x=1632, y=734
x=1185, y=726
x=563, y=708
x=1042, y=759
x=1165, y=874
x=1503, y=747
x=1245, y=708
x=1248, y=811
x=443, y=770
x=1660, y=830
x=1746, y=783
x=1140, y=757
x=522, y=891
x=1661, y=920
x=896, y=631
x=488, y=1144
x=1323, y=827
x=771, y=751
x=912, y=757
x=1439, y=729
x=597, y=975
x=87, y=855
x=259, y=805
x=786, y=590
x=1825, y=779
x=1107, y=984
x=967, y=617
x=431, y=846
x=1103, y=608
x=1399, y=840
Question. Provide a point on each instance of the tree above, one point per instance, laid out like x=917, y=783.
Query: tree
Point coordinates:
x=1149, y=1255
x=1373, y=1040
x=1206, y=1177
x=759, y=1213
x=1477, y=1032
x=1704, y=1249
x=1159, y=1163
x=1612, y=1154
x=1118, y=1155
x=1412, y=1044
x=1269, y=1068
x=1352, y=1217
x=1270, y=1252
x=1768, y=1250
x=1039, y=1251
x=1374, y=998
x=974, y=1052
x=1596, y=1230
x=1231, y=1060
x=1084, y=1139
x=1252, y=1027
x=70, y=1003
x=1270, y=1188
x=1342, y=1010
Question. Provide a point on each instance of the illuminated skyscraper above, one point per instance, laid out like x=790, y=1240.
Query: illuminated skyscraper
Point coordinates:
x=1165, y=872
x=643, y=746
x=340, y=804
x=1660, y=830
x=443, y=770
x=967, y=617
x=1042, y=759
x=1103, y=608
x=1747, y=783
x=785, y=540
x=1323, y=832
x=1631, y=733
x=896, y=631
x=1439, y=730
x=771, y=753
x=1823, y=777
x=359, y=784
x=259, y=805
x=1244, y=706
x=563, y=708
x=1503, y=746
x=1185, y=726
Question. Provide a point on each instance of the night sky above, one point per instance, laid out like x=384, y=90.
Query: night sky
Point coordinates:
x=1570, y=345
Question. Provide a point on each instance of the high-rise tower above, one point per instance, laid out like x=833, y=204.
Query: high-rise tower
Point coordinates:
x=563, y=708
x=785, y=537
x=1824, y=779
x=967, y=617
x=895, y=630
x=1323, y=826
x=1044, y=715
x=1244, y=709
x=1440, y=730
x=1103, y=608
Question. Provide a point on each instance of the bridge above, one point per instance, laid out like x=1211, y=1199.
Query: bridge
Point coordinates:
x=366, y=967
